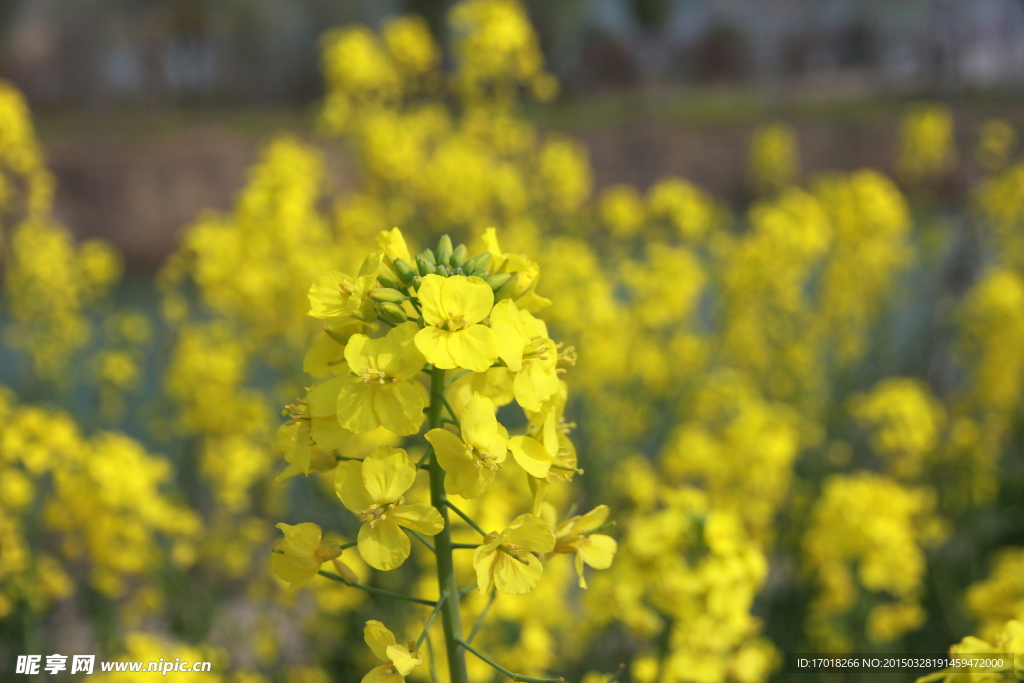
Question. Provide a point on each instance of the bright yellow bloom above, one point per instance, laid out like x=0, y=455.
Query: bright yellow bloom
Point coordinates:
x=507, y=561
x=527, y=350
x=336, y=294
x=398, y=660
x=298, y=557
x=375, y=490
x=314, y=422
x=452, y=309
x=526, y=271
x=471, y=462
x=379, y=390
x=577, y=535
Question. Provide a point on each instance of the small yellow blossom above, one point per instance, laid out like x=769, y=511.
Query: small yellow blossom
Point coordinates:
x=578, y=535
x=398, y=661
x=375, y=490
x=335, y=294
x=298, y=557
x=507, y=561
x=470, y=463
x=453, y=308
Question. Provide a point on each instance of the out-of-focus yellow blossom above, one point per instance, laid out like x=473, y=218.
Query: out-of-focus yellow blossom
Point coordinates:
x=335, y=294
x=926, y=142
x=298, y=558
x=655, y=304
x=995, y=145
x=1000, y=200
x=690, y=211
x=149, y=647
x=873, y=523
x=381, y=390
x=903, y=420
x=398, y=661
x=375, y=490
x=472, y=461
x=622, y=210
x=774, y=158
x=453, y=309
x=1000, y=597
x=507, y=561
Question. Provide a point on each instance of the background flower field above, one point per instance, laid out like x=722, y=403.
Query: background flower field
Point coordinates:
x=803, y=408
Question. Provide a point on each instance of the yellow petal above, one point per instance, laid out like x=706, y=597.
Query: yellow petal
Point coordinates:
x=403, y=660
x=392, y=243
x=379, y=637
x=448, y=448
x=429, y=295
x=378, y=675
x=296, y=572
x=356, y=406
x=511, y=576
x=323, y=398
x=384, y=546
x=323, y=356
x=531, y=456
x=361, y=353
x=479, y=424
x=590, y=521
x=419, y=517
x=507, y=325
x=432, y=342
x=462, y=476
x=325, y=295
x=328, y=433
x=469, y=297
x=483, y=562
x=399, y=406
x=535, y=384
x=597, y=550
x=348, y=484
x=387, y=474
x=474, y=348
x=532, y=533
x=300, y=540
x=399, y=357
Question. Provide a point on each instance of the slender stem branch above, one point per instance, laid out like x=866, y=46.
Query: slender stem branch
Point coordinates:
x=465, y=518
x=426, y=456
x=467, y=590
x=345, y=458
x=457, y=376
x=346, y=546
x=483, y=615
x=430, y=622
x=503, y=670
x=432, y=668
x=448, y=587
x=422, y=539
x=377, y=591
x=465, y=546
x=599, y=529
x=451, y=412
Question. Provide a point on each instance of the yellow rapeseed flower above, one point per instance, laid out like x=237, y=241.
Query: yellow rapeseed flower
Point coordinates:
x=507, y=561
x=335, y=294
x=577, y=535
x=470, y=463
x=375, y=490
x=298, y=557
x=398, y=661
x=452, y=310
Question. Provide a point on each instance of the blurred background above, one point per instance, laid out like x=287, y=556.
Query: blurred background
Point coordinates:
x=786, y=238
x=152, y=110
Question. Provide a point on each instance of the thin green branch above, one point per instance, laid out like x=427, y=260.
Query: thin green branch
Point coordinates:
x=599, y=529
x=465, y=546
x=432, y=667
x=430, y=621
x=426, y=456
x=422, y=539
x=465, y=518
x=483, y=615
x=384, y=320
x=500, y=669
x=377, y=591
x=467, y=590
x=451, y=412
x=345, y=458
x=456, y=376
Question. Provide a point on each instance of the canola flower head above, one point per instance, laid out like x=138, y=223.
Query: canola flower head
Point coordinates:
x=399, y=660
x=507, y=560
x=299, y=557
x=471, y=461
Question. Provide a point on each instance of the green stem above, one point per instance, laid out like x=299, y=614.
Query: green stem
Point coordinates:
x=456, y=377
x=377, y=591
x=429, y=622
x=451, y=412
x=503, y=670
x=466, y=519
x=422, y=539
x=448, y=587
x=483, y=615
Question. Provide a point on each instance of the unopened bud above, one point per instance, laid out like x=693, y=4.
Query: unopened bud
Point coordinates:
x=459, y=256
x=479, y=273
x=345, y=572
x=385, y=280
x=457, y=271
x=429, y=255
x=478, y=262
x=387, y=295
x=425, y=266
x=444, y=245
x=393, y=313
x=496, y=281
x=404, y=270
x=506, y=290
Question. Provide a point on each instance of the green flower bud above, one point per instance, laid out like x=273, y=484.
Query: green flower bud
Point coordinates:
x=429, y=255
x=386, y=280
x=387, y=294
x=459, y=256
x=506, y=289
x=425, y=267
x=498, y=280
x=443, y=257
x=457, y=271
x=444, y=244
x=404, y=270
x=481, y=274
x=477, y=263
x=393, y=313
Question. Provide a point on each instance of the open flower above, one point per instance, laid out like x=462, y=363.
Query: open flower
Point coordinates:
x=379, y=390
x=298, y=557
x=311, y=423
x=527, y=273
x=374, y=489
x=452, y=310
x=470, y=463
x=335, y=294
x=507, y=561
x=577, y=535
x=527, y=350
x=398, y=660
